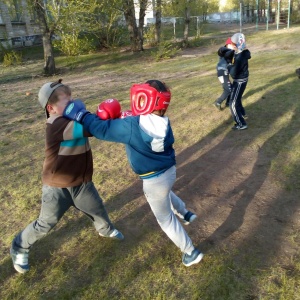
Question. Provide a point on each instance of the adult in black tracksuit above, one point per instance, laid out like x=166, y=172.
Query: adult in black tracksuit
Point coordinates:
x=239, y=73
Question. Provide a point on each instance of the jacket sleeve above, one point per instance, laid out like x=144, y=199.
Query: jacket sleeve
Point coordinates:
x=235, y=68
x=221, y=52
x=117, y=130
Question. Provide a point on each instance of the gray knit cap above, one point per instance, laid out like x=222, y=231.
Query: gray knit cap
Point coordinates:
x=240, y=41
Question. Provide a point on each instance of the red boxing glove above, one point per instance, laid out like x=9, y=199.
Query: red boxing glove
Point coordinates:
x=125, y=114
x=109, y=109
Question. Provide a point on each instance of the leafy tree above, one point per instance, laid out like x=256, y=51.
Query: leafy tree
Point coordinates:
x=188, y=8
x=187, y=20
x=142, y=13
x=135, y=32
x=129, y=14
x=92, y=18
x=158, y=8
x=48, y=29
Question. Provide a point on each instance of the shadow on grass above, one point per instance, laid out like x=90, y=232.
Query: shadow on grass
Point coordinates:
x=265, y=223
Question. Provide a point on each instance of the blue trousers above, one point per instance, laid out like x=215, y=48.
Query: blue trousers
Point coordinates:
x=55, y=202
x=226, y=85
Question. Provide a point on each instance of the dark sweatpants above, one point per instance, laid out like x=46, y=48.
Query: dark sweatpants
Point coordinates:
x=226, y=85
x=236, y=106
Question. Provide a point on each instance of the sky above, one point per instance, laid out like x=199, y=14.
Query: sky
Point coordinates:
x=222, y=2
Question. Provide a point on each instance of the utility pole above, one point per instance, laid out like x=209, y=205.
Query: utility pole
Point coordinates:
x=268, y=14
x=241, y=15
x=278, y=14
x=289, y=14
x=257, y=14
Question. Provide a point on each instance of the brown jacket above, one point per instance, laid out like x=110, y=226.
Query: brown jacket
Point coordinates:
x=68, y=156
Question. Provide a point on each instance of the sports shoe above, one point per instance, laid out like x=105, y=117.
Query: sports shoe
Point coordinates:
x=189, y=217
x=245, y=116
x=238, y=127
x=20, y=261
x=116, y=234
x=218, y=105
x=192, y=259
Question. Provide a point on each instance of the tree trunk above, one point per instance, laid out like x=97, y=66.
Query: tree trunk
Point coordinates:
x=158, y=21
x=271, y=20
x=187, y=21
x=49, y=62
x=129, y=14
x=143, y=6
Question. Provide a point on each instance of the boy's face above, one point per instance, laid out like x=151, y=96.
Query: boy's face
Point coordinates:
x=59, y=107
x=231, y=46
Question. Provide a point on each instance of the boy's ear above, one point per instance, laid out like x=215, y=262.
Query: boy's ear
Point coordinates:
x=49, y=108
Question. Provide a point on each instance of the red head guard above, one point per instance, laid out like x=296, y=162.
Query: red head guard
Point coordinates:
x=228, y=41
x=149, y=96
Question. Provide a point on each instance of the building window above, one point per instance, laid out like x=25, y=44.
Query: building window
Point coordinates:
x=15, y=10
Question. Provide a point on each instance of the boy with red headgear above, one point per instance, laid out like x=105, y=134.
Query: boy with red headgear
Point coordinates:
x=149, y=142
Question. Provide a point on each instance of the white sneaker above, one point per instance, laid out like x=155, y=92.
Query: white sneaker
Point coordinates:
x=192, y=259
x=20, y=261
x=116, y=234
x=189, y=217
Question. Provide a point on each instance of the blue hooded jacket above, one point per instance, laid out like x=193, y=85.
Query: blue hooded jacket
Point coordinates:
x=148, y=156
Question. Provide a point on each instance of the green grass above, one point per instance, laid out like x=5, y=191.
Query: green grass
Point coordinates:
x=248, y=255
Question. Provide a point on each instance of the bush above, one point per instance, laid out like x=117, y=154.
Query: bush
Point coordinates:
x=149, y=35
x=73, y=45
x=165, y=50
x=11, y=58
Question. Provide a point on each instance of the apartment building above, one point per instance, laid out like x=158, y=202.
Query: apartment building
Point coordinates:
x=17, y=26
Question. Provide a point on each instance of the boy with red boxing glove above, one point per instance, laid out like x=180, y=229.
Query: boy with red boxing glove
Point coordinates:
x=149, y=142
x=67, y=177
x=225, y=58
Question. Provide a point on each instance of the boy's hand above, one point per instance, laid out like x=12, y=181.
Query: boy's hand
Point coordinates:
x=75, y=110
x=109, y=109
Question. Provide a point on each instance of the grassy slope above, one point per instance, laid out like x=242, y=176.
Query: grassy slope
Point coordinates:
x=72, y=262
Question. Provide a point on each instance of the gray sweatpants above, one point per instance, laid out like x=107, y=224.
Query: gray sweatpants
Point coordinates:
x=55, y=202
x=165, y=204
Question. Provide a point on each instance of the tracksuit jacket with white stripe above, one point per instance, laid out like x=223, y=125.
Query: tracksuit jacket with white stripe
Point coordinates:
x=239, y=72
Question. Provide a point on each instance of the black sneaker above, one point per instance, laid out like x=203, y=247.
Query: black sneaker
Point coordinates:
x=189, y=217
x=238, y=127
x=192, y=259
x=218, y=105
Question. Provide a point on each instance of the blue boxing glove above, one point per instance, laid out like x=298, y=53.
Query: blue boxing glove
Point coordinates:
x=75, y=110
